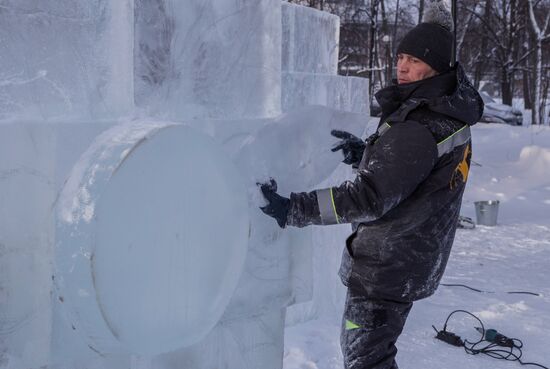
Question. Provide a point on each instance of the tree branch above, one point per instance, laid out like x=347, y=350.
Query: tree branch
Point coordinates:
x=495, y=38
x=534, y=23
x=529, y=52
x=545, y=28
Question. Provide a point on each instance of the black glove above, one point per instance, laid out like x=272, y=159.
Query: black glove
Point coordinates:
x=352, y=147
x=278, y=205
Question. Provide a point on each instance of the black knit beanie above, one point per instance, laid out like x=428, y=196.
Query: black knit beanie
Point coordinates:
x=432, y=40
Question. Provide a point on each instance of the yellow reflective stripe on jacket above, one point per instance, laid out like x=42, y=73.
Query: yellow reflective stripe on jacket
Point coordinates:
x=458, y=138
x=327, y=207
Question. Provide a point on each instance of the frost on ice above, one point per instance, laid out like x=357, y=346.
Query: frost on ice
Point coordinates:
x=149, y=122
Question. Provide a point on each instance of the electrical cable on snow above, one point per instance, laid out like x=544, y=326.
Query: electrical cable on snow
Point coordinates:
x=482, y=291
x=498, y=346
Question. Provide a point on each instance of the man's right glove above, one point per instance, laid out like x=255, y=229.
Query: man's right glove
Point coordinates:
x=352, y=147
x=278, y=206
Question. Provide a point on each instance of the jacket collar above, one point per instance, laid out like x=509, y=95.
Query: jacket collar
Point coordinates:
x=449, y=93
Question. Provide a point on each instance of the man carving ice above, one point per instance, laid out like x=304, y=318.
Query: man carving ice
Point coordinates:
x=406, y=198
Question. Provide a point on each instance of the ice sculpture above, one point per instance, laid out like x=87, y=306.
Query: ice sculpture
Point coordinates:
x=309, y=46
x=154, y=210
x=132, y=137
x=65, y=59
x=208, y=58
x=310, y=63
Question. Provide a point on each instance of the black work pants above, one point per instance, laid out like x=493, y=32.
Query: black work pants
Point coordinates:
x=370, y=329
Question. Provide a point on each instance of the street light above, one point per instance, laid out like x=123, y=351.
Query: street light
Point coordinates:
x=386, y=40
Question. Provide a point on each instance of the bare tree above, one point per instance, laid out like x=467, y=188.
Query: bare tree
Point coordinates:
x=502, y=22
x=539, y=103
x=463, y=27
x=354, y=38
x=317, y=4
x=373, y=31
x=497, y=41
x=421, y=4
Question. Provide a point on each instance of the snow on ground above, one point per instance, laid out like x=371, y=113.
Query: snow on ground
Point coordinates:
x=513, y=167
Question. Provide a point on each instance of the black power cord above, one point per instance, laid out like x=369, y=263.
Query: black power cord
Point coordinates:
x=491, y=343
x=481, y=291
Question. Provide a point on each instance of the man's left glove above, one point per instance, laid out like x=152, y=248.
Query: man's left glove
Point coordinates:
x=278, y=206
x=352, y=147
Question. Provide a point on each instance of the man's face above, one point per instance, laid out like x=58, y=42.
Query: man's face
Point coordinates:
x=411, y=69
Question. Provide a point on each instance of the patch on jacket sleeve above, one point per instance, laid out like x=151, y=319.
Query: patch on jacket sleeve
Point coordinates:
x=460, y=175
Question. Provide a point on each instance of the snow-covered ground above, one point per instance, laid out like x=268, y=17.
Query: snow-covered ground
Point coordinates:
x=513, y=166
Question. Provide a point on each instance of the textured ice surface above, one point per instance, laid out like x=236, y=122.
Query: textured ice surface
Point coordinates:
x=310, y=63
x=310, y=40
x=65, y=59
x=247, y=343
x=27, y=192
x=208, y=58
x=152, y=240
x=136, y=268
x=295, y=148
x=338, y=92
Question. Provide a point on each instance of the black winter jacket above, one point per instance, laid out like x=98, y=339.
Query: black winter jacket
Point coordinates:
x=408, y=190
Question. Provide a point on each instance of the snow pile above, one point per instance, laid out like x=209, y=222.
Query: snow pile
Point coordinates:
x=536, y=161
x=514, y=256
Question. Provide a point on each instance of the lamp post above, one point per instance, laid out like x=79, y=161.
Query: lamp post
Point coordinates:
x=386, y=40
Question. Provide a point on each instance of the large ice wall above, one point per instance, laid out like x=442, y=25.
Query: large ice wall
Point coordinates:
x=310, y=40
x=27, y=192
x=131, y=135
x=342, y=93
x=208, y=58
x=64, y=59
